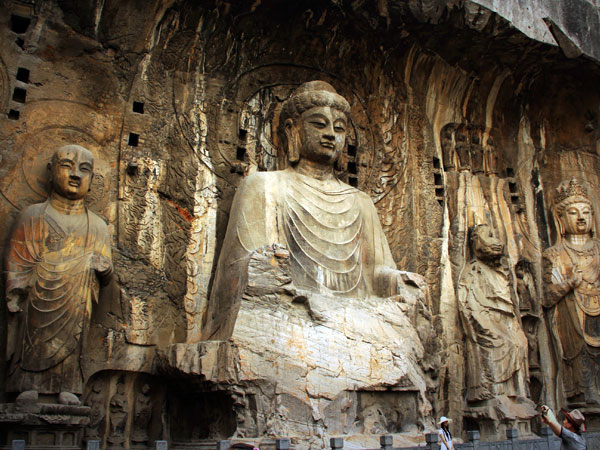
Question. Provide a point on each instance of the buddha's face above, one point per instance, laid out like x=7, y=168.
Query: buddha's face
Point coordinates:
x=577, y=218
x=486, y=244
x=72, y=171
x=322, y=134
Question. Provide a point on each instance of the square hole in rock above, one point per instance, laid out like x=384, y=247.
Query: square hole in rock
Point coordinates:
x=19, y=95
x=138, y=107
x=351, y=150
x=19, y=24
x=134, y=139
x=13, y=114
x=23, y=75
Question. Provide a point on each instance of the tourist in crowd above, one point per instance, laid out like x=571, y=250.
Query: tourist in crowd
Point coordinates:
x=445, y=435
x=571, y=429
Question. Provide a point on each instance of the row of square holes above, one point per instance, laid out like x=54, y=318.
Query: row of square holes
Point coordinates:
x=19, y=94
x=134, y=138
x=19, y=25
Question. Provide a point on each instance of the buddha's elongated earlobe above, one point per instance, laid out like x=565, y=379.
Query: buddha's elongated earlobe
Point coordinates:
x=293, y=141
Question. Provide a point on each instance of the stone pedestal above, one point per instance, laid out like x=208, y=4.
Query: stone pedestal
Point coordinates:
x=309, y=366
x=497, y=416
x=48, y=426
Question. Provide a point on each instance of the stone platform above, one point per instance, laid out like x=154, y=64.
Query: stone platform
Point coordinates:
x=43, y=425
x=309, y=366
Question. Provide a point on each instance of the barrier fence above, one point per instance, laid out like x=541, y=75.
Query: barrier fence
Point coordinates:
x=547, y=441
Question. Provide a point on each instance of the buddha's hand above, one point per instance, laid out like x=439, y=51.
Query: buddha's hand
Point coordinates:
x=12, y=302
x=103, y=266
x=407, y=285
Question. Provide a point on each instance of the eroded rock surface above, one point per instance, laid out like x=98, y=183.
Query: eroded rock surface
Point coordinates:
x=462, y=113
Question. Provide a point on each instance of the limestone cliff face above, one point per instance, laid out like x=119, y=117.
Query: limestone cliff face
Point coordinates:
x=462, y=113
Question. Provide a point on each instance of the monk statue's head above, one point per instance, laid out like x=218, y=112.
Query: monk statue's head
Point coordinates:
x=572, y=209
x=71, y=172
x=313, y=123
x=485, y=245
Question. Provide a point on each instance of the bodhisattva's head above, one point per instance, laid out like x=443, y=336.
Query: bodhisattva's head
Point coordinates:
x=573, y=209
x=313, y=123
x=485, y=244
x=71, y=171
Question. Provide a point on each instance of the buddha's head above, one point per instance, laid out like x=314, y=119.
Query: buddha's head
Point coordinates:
x=573, y=209
x=71, y=171
x=313, y=123
x=485, y=245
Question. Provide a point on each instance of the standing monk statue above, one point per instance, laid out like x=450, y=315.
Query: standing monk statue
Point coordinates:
x=572, y=289
x=332, y=232
x=59, y=255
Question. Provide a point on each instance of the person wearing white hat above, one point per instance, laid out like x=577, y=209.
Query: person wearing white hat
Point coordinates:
x=445, y=435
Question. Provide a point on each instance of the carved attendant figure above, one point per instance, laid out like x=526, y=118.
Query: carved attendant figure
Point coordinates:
x=572, y=286
x=335, y=241
x=496, y=346
x=59, y=254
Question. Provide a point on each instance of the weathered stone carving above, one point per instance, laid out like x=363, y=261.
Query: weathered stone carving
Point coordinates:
x=491, y=158
x=143, y=415
x=463, y=152
x=496, y=347
x=447, y=143
x=306, y=279
x=96, y=400
x=331, y=230
x=526, y=287
x=477, y=154
x=572, y=290
x=119, y=412
x=59, y=255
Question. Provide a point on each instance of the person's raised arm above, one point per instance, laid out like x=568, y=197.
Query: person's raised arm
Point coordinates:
x=549, y=419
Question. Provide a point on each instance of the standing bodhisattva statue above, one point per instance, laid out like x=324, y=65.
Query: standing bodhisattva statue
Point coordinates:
x=572, y=287
x=331, y=230
x=59, y=255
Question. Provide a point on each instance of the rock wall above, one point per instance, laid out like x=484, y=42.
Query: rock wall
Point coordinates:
x=457, y=118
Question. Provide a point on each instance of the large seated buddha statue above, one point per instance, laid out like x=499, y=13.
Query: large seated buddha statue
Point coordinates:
x=307, y=297
x=332, y=232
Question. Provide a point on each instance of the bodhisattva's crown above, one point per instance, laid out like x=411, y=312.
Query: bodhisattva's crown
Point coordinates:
x=568, y=189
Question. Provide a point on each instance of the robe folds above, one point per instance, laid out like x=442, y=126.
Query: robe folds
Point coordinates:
x=331, y=230
x=575, y=315
x=496, y=346
x=51, y=267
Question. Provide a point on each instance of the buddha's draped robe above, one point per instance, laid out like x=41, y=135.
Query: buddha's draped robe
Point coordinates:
x=50, y=262
x=332, y=231
x=576, y=319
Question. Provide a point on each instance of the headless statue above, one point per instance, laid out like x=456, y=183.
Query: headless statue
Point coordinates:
x=331, y=230
x=59, y=255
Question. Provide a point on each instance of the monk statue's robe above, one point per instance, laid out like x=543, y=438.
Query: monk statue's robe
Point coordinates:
x=52, y=267
x=576, y=321
x=334, y=237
